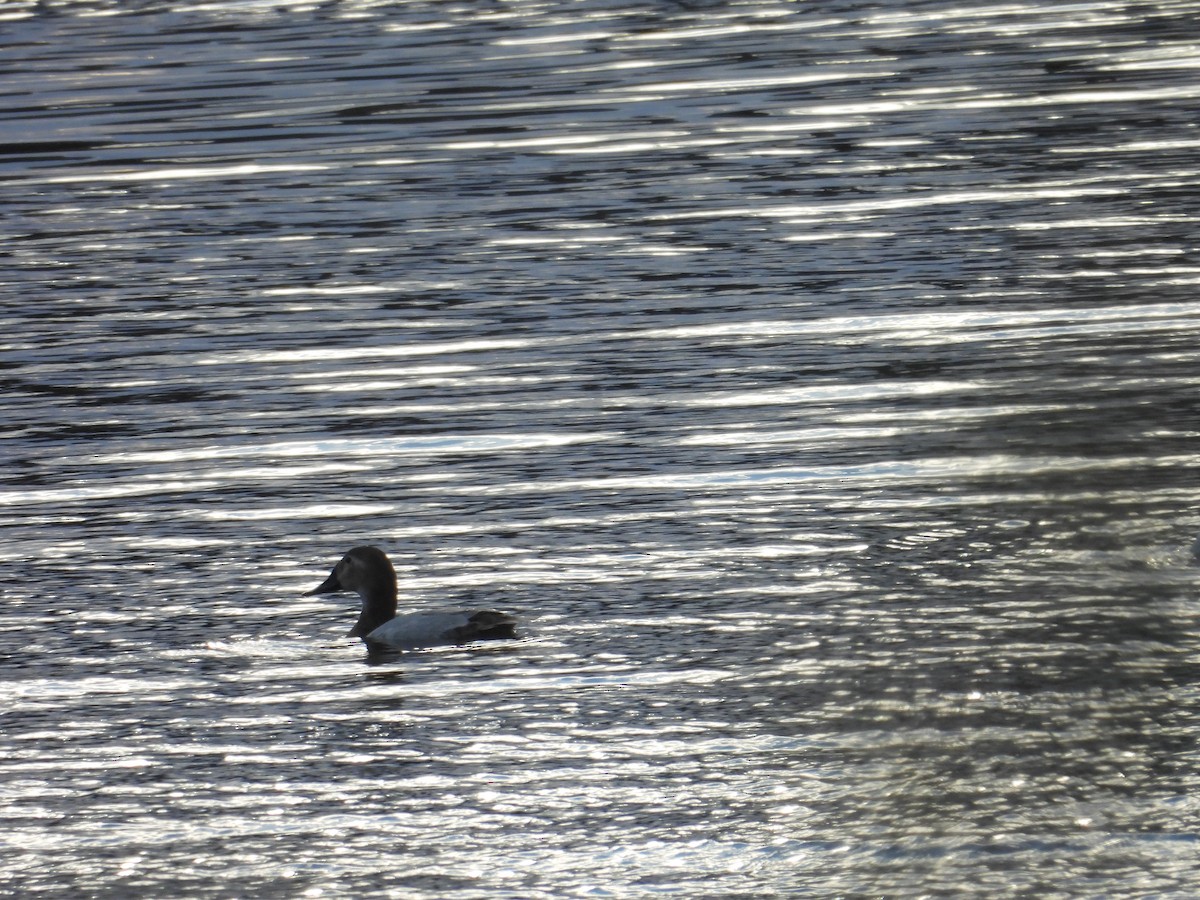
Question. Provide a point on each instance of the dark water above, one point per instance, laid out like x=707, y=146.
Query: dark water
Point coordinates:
x=817, y=382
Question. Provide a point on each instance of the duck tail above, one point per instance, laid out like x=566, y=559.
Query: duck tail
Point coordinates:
x=487, y=625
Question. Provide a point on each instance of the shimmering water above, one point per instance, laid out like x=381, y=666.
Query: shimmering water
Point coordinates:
x=817, y=382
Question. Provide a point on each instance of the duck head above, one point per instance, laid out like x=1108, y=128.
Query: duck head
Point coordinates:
x=367, y=572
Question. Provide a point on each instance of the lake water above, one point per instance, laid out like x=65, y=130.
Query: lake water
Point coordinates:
x=817, y=382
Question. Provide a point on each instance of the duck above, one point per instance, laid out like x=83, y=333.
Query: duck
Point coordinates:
x=368, y=572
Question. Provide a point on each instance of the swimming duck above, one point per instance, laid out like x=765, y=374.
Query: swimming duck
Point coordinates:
x=368, y=572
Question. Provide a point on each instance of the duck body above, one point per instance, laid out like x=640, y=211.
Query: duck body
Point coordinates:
x=431, y=629
x=369, y=573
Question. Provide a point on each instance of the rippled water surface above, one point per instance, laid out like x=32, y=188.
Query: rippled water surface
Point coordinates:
x=817, y=382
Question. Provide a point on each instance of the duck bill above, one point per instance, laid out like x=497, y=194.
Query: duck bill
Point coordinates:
x=330, y=585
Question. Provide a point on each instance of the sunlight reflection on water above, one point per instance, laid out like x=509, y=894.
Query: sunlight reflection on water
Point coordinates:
x=817, y=387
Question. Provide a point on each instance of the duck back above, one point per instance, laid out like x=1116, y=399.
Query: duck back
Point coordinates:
x=430, y=629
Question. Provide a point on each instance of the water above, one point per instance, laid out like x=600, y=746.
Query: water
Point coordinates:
x=817, y=382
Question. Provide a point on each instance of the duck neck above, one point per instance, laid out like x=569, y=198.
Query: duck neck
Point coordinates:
x=377, y=607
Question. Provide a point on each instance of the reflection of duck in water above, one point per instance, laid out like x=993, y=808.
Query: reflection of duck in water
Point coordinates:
x=368, y=572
